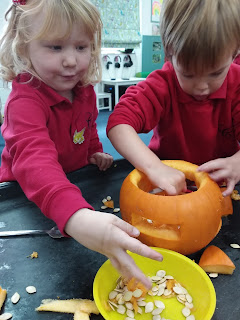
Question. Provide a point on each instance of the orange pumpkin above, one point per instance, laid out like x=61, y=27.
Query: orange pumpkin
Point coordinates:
x=183, y=223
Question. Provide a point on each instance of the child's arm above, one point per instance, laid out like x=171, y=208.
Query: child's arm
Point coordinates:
x=111, y=236
x=126, y=141
x=224, y=169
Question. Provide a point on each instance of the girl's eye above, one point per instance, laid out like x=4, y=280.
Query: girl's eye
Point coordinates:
x=56, y=48
x=80, y=48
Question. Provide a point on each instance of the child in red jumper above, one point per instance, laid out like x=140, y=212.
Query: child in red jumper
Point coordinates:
x=192, y=104
x=50, y=121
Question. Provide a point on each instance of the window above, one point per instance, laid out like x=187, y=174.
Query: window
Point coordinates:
x=121, y=23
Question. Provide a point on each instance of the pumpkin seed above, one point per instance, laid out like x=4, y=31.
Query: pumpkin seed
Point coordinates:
x=180, y=299
x=127, y=295
x=109, y=198
x=191, y=317
x=159, y=304
x=15, y=298
x=157, y=311
x=129, y=305
x=178, y=290
x=235, y=245
x=189, y=305
x=160, y=291
x=149, y=307
x=189, y=298
x=112, y=295
x=158, y=317
x=128, y=318
x=110, y=305
x=137, y=293
x=121, y=309
x=31, y=289
x=161, y=273
x=116, y=209
x=213, y=275
x=139, y=310
x=186, y=312
x=130, y=313
x=5, y=316
x=167, y=292
x=113, y=304
x=103, y=207
x=154, y=289
x=141, y=303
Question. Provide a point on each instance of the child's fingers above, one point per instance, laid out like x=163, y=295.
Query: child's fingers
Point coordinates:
x=126, y=227
x=127, y=267
x=133, y=244
x=229, y=189
x=136, y=246
x=211, y=165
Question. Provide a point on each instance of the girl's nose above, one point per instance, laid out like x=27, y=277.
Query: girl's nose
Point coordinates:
x=69, y=60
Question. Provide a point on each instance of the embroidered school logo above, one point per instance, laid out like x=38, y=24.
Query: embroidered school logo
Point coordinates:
x=78, y=137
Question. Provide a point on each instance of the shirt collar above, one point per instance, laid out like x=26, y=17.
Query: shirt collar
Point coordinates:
x=51, y=97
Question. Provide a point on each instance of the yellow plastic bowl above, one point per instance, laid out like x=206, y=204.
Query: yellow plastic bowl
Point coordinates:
x=184, y=270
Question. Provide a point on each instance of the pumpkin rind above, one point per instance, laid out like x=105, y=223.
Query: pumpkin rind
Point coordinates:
x=214, y=259
x=183, y=223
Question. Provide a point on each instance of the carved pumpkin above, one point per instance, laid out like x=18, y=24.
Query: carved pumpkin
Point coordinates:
x=183, y=223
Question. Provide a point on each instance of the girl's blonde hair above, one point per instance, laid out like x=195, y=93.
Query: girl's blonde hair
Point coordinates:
x=199, y=33
x=14, y=57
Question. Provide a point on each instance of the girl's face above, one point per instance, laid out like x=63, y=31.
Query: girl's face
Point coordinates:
x=61, y=64
x=200, y=86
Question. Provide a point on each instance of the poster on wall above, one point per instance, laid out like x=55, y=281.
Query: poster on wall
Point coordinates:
x=155, y=10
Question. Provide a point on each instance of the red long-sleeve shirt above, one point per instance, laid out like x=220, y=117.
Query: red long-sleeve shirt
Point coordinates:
x=183, y=128
x=47, y=136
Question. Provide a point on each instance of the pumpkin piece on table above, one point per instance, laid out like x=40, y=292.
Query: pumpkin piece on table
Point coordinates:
x=3, y=294
x=109, y=204
x=214, y=260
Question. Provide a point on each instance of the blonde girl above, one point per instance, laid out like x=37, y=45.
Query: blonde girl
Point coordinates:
x=50, y=53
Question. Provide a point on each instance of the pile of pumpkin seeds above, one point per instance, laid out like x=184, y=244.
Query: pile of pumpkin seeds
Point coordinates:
x=163, y=285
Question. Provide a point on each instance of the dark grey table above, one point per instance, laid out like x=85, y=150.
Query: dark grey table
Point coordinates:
x=64, y=268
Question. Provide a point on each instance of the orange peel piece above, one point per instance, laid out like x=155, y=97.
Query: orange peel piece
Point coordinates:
x=109, y=204
x=3, y=294
x=214, y=260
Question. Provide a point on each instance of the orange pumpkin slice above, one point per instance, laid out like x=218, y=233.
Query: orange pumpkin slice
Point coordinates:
x=132, y=285
x=215, y=260
x=109, y=204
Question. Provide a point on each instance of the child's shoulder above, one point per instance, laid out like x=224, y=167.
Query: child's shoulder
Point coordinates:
x=234, y=74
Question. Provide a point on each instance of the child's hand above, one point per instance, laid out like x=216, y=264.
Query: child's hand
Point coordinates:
x=111, y=236
x=102, y=160
x=224, y=169
x=169, y=179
